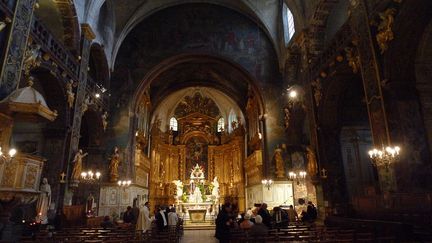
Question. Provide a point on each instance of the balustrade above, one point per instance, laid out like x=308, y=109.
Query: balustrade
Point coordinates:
x=63, y=58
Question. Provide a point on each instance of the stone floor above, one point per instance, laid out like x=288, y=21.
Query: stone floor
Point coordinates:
x=195, y=236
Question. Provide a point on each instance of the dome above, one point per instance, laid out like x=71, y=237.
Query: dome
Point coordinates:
x=28, y=102
x=27, y=95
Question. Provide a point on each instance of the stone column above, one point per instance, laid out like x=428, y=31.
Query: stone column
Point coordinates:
x=371, y=77
x=88, y=36
x=17, y=42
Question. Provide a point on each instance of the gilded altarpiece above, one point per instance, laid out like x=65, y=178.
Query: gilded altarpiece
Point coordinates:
x=197, y=141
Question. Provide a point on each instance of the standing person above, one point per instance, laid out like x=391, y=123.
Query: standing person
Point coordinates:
x=265, y=215
x=161, y=219
x=292, y=214
x=223, y=223
x=172, y=217
x=135, y=211
x=144, y=222
x=311, y=212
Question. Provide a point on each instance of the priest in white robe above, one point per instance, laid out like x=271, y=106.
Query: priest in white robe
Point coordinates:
x=144, y=221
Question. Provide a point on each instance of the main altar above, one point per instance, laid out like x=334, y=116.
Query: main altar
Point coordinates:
x=197, y=201
x=193, y=139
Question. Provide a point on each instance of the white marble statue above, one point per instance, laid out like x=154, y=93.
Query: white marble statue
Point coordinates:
x=44, y=201
x=196, y=197
x=215, y=190
x=179, y=188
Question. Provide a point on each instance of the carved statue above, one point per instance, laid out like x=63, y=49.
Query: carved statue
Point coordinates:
x=85, y=105
x=353, y=60
x=179, y=189
x=280, y=167
x=4, y=23
x=114, y=164
x=77, y=165
x=287, y=117
x=70, y=94
x=316, y=84
x=312, y=164
x=89, y=205
x=385, y=32
x=31, y=58
x=44, y=201
x=171, y=136
x=104, y=120
x=196, y=197
x=234, y=125
x=215, y=190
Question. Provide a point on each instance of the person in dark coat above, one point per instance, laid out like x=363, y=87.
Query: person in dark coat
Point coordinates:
x=128, y=216
x=161, y=219
x=135, y=211
x=223, y=223
x=265, y=215
x=311, y=212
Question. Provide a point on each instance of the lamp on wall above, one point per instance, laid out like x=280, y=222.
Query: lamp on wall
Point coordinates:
x=90, y=176
x=267, y=183
x=385, y=156
x=9, y=156
x=301, y=175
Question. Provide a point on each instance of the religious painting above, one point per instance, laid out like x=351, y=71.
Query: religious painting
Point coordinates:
x=199, y=28
x=196, y=153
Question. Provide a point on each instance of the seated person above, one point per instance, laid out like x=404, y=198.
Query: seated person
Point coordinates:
x=246, y=223
x=107, y=223
x=258, y=229
x=128, y=216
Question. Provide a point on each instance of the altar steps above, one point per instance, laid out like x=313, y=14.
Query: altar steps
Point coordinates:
x=198, y=226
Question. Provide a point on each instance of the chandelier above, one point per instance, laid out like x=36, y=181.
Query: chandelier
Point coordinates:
x=385, y=156
x=267, y=183
x=9, y=156
x=90, y=176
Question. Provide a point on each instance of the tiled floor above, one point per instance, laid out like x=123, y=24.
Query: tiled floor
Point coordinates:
x=196, y=236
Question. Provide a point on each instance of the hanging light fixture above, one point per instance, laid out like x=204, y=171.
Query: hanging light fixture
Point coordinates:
x=385, y=156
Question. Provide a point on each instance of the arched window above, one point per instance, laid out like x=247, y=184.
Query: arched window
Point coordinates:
x=173, y=124
x=288, y=21
x=221, y=124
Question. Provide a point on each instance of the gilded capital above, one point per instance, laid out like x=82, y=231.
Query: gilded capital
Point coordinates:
x=88, y=32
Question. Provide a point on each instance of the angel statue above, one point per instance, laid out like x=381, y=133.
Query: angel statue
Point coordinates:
x=179, y=189
x=312, y=164
x=70, y=94
x=31, y=58
x=114, y=164
x=77, y=165
x=105, y=120
x=85, y=104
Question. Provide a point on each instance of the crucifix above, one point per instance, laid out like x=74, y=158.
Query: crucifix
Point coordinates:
x=62, y=177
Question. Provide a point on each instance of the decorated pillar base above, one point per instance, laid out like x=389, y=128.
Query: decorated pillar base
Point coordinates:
x=114, y=200
x=280, y=193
